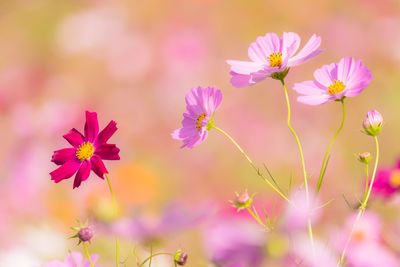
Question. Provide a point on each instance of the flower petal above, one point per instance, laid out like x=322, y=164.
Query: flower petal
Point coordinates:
x=290, y=43
x=83, y=173
x=65, y=171
x=98, y=166
x=107, y=151
x=245, y=67
x=326, y=75
x=74, y=137
x=309, y=51
x=264, y=46
x=314, y=100
x=308, y=88
x=106, y=133
x=63, y=155
x=91, y=126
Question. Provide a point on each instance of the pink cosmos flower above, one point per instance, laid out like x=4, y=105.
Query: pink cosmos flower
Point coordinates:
x=201, y=104
x=295, y=218
x=75, y=259
x=387, y=181
x=88, y=152
x=335, y=81
x=272, y=54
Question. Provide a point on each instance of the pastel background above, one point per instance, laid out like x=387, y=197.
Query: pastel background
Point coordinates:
x=133, y=62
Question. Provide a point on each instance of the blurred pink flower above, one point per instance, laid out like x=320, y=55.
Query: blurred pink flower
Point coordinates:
x=90, y=30
x=371, y=254
x=335, y=81
x=295, y=218
x=387, y=181
x=366, y=248
x=175, y=218
x=87, y=153
x=303, y=254
x=201, y=103
x=75, y=259
x=235, y=243
x=272, y=54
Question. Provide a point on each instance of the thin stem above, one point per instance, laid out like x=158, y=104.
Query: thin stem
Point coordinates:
x=256, y=217
x=154, y=255
x=86, y=249
x=296, y=137
x=363, y=205
x=325, y=162
x=366, y=180
x=303, y=164
x=115, y=206
x=251, y=163
x=151, y=254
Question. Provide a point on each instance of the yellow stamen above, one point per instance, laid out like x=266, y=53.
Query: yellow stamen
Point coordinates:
x=199, y=121
x=395, y=179
x=336, y=87
x=275, y=59
x=85, y=151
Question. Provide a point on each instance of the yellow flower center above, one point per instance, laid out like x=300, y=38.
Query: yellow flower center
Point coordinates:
x=275, y=59
x=199, y=121
x=336, y=87
x=395, y=179
x=85, y=151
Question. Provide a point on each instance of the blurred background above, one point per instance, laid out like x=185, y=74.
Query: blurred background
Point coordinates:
x=133, y=62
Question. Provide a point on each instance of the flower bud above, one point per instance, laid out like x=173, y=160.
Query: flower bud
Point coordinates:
x=364, y=157
x=85, y=234
x=242, y=201
x=372, y=123
x=180, y=257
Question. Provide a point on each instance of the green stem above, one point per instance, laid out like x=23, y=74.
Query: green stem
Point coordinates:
x=256, y=217
x=251, y=163
x=366, y=180
x=86, y=249
x=363, y=205
x=115, y=206
x=296, y=137
x=328, y=151
x=154, y=255
x=303, y=164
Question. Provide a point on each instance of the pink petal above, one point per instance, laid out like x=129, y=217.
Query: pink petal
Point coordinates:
x=314, y=99
x=65, y=171
x=98, y=166
x=63, y=155
x=323, y=75
x=291, y=43
x=346, y=67
x=264, y=46
x=308, y=88
x=74, y=137
x=106, y=133
x=245, y=67
x=240, y=80
x=91, y=126
x=309, y=51
x=107, y=152
x=83, y=173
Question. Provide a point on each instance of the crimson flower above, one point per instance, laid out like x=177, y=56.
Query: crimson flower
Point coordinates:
x=88, y=152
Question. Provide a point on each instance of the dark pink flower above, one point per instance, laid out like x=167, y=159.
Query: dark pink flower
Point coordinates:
x=387, y=182
x=88, y=152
